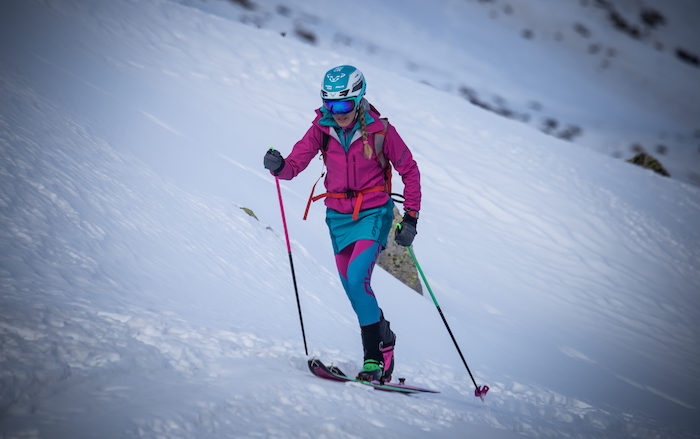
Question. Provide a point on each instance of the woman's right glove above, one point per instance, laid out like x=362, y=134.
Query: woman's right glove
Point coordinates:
x=406, y=230
x=273, y=161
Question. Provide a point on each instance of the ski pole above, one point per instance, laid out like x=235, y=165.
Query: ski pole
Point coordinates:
x=480, y=391
x=291, y=264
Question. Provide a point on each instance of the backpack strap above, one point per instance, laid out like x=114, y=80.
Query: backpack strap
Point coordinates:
x=379, y=143
x=324, y=148
x=324, y=145
x=381, y=158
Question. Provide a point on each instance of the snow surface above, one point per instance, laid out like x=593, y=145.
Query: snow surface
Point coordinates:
x=137, y=298
x=557, y=66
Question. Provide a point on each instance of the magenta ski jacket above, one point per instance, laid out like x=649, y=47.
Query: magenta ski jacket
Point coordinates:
x=351, y=171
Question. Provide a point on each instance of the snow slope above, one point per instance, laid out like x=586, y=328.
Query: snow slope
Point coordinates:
x=137, y=298
x=615, y=92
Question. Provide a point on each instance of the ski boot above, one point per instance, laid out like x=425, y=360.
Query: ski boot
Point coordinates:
x=371, y=371
x=378, y=341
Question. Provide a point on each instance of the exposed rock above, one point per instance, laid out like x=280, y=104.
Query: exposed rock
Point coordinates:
x=647, y=161
x=249, y=212
x=688, y=57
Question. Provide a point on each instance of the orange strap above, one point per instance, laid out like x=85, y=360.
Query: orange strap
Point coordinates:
x=349, y=194
x=379, y=137
x=311, y=197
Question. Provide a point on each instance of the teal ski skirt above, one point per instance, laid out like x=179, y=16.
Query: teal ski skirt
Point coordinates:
x=374, y=224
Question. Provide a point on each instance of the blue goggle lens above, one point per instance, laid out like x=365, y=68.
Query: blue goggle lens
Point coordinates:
x=339, y=107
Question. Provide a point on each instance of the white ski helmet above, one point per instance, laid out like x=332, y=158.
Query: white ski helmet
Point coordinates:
x=343, y=82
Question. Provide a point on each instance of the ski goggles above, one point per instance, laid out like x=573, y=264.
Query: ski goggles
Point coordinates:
x=339, y=107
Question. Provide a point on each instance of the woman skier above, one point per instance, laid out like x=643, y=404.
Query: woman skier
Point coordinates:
x=359, y=210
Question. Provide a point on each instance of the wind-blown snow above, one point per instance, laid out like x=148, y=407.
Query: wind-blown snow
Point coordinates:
x=137, y=298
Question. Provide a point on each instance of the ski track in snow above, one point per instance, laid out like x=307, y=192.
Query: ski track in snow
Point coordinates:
x=135, y=306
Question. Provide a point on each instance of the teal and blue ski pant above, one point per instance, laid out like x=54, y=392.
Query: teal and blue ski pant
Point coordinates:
x=355, y=263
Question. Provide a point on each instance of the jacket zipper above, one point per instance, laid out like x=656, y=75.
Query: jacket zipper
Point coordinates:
x=347, y=172
x=354, y=170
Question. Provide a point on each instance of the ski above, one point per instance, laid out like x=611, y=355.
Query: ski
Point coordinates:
x=319, y=369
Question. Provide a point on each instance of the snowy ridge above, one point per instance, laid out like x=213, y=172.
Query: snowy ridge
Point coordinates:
x=621, y=85
x=137, y=298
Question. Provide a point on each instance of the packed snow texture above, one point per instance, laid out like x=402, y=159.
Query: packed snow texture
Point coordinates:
x=138, y=298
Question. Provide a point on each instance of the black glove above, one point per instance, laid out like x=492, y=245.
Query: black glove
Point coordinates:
x=406, y=230
x=273, y=161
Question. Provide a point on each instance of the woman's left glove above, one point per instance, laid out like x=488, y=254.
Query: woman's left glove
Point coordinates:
x=273, y=161
x=406, y=230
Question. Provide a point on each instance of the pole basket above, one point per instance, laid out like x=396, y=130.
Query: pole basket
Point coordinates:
x=480, y=391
